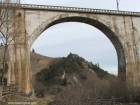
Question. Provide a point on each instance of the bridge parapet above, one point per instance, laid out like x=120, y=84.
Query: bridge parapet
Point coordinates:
x=72, y=9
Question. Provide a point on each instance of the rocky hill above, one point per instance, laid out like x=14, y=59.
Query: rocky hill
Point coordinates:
x=73, y=78
x=68, y=70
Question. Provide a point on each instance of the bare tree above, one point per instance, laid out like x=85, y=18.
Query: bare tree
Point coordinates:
x=8, y=27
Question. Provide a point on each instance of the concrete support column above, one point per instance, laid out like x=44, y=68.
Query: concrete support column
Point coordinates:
x=133, y=69
x=19, y=68
x=19, y=56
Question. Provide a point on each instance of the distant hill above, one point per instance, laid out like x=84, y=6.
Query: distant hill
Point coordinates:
x=39, y=62
x=72, y=79
x=61, y=71
x=69, y=73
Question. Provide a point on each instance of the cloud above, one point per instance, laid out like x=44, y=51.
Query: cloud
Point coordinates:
x=78, y=38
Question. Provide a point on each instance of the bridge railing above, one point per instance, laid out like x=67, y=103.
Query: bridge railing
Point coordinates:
x=71, y=9
x=76, y=9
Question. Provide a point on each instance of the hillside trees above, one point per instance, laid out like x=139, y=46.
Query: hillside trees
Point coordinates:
x=70, y=65
x=9, y=27
x=67, y=71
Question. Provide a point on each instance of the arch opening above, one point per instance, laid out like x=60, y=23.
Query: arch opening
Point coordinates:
x=104, y=29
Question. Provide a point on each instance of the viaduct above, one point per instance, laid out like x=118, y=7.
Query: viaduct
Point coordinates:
x=121, y=27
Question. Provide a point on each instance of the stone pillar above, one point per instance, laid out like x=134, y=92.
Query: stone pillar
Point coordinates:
x=19, y=57
x=19, y=67
x=131, y=75
x=132, y=54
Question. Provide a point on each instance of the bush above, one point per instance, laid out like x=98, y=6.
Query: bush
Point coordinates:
x=63, y=82
x=40, y=93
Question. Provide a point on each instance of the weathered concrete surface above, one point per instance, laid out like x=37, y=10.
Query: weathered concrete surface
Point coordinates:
x=123, y=30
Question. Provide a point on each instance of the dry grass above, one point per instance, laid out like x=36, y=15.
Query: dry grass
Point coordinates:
x=21, y=100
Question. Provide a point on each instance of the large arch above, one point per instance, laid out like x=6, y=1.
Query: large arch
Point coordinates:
x=93, y=22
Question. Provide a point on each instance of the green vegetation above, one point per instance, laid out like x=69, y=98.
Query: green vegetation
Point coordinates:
x=72, y=64
x=100, y=72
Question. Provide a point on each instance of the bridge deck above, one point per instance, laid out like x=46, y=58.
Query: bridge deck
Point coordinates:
x=73, y=9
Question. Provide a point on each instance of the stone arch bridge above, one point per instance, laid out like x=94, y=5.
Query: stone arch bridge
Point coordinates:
x=121, y=27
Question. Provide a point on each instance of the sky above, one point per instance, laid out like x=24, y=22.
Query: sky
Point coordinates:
x=79, y=38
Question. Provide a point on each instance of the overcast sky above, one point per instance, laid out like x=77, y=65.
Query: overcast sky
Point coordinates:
x=79, y=38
